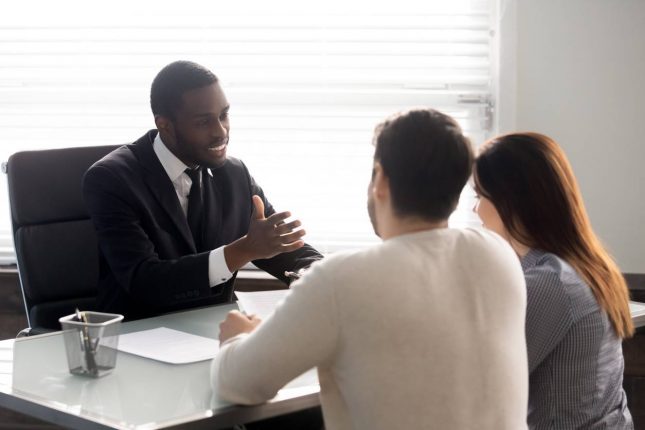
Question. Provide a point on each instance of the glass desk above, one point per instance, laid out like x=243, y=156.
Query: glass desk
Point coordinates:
x=637, y=310
x=140, y=393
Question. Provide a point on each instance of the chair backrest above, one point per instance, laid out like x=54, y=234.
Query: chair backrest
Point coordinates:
x=56, y=246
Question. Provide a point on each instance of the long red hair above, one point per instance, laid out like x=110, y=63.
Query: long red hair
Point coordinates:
x=529, y=180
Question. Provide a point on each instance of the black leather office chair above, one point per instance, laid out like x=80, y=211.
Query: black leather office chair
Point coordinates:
x=56, y=246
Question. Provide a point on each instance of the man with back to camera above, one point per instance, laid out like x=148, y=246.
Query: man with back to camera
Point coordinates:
x=425, y=330
x=175, y=217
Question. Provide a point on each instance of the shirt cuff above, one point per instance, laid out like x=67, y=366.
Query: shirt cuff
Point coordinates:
x=217, y=269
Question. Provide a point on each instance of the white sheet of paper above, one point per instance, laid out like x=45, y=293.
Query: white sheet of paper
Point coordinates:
x=168, y=345
x=260, y=303
x=637, y=308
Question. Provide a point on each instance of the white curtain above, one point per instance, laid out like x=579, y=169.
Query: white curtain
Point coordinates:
x=307, y=84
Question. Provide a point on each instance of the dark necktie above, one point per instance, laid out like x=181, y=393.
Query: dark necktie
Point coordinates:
x=194, y=213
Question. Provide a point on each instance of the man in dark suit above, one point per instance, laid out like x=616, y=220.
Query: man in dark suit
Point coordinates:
x=175, y=217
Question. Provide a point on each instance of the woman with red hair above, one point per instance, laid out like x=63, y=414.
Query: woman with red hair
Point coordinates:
x=577, y=300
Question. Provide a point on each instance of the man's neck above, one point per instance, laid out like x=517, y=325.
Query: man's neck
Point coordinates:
x=171, y=164
x=400, y=226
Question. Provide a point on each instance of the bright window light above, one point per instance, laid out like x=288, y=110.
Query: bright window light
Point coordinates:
x=307, y=84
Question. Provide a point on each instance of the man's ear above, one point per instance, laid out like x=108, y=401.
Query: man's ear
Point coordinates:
x=164, y=124
x=380, y=182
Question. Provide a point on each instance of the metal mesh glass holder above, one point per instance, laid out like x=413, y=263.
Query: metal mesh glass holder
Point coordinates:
x=91, y=340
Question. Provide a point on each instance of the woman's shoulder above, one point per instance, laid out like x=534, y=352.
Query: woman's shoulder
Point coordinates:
x=551, y=279
x=545, y=267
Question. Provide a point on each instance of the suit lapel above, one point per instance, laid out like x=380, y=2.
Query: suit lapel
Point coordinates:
x=160, y=185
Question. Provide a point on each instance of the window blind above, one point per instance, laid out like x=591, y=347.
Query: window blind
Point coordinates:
x=307, y=84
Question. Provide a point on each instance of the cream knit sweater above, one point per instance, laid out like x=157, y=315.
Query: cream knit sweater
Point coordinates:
x=423, y=331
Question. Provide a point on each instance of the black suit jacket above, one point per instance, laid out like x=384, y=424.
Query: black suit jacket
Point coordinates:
x=148, y=260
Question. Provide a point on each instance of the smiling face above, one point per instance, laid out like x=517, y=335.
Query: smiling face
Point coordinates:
x=198, y=135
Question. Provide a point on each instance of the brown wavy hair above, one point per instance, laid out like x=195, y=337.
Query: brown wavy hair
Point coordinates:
x=528, y=179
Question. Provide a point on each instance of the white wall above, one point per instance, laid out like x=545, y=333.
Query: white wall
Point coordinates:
x=580, y=78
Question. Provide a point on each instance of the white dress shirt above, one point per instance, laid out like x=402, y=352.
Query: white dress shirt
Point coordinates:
x=217, y=269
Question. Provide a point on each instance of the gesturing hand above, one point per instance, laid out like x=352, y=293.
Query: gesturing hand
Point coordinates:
x=265, y=238
x=271, y=236
x=236, y=323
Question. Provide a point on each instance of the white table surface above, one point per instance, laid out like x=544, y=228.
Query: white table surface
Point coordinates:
x=140, y=393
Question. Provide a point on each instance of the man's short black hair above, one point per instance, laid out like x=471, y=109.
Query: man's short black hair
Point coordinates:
x=173, y=81
x=427, y=160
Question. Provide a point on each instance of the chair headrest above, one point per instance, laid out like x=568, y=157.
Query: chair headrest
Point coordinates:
x=46, y=186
